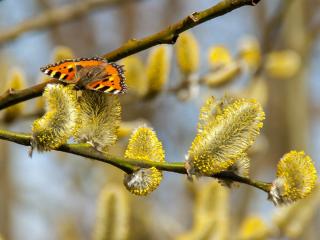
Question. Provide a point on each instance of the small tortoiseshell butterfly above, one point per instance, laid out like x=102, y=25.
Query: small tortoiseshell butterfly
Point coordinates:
x=89, y=73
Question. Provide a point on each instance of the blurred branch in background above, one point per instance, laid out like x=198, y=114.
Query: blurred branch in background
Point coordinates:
x=56, y=16
x=129, y=165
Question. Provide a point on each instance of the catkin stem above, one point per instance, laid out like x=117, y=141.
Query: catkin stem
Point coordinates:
x=129, y=165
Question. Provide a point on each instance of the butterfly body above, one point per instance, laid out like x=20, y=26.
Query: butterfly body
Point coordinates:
x=89, y=73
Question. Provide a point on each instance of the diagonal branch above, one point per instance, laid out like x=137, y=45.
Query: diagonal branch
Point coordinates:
x=167, y=36
x=170, y=34
x=128, y=165
x=55, y=17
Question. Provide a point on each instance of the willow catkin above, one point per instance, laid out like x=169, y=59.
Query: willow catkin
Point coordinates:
x=158, y=69
x=60, y=120
x=144, y=145
x=135, y=75
x=99, y=119
x=283, y=64
x=187, y=53
x=296, y=178
x=226, y=137
x=219, y=56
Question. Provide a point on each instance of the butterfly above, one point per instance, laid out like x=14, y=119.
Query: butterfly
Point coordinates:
x=89, y=73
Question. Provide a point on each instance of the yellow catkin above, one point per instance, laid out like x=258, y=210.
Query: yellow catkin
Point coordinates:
x=135, y=75
x=296, y=176
x=219, y=56
x=99, y=119
x=250, y=52
x=187, y=53
x=144, y=145
x=253, y=228
x=15, y=81
x=61, y=53
x=158, y=68
x=226, y=137
x=211, y=214
x=112, y=215
x=283, y=64
x=60, y=121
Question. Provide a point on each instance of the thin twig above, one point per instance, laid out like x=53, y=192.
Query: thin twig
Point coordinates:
x=55, y=17
x=169, y=35
x=128, y=165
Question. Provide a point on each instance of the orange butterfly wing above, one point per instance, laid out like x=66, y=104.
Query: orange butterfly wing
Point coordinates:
x=65, y=70
x=112, y=83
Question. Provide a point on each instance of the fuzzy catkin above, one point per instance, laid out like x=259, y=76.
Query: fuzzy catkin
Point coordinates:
x=296, y=178
x=144, y=145
x=225, y=137
x=60, y=121
x=99, y=119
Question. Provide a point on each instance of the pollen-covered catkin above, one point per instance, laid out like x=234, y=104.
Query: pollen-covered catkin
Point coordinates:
x=187, y=52
x=296, y=177
x=112, y=215
x=59, y=122
x=98, y=120
x=144, y=145
x=16, y=81
x=225, y=137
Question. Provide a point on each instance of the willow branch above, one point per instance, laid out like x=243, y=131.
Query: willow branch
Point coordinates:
x=128, y=165
x=169, y=35
x=55, y=17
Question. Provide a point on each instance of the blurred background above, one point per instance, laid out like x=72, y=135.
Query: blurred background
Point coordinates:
x=269, y=52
